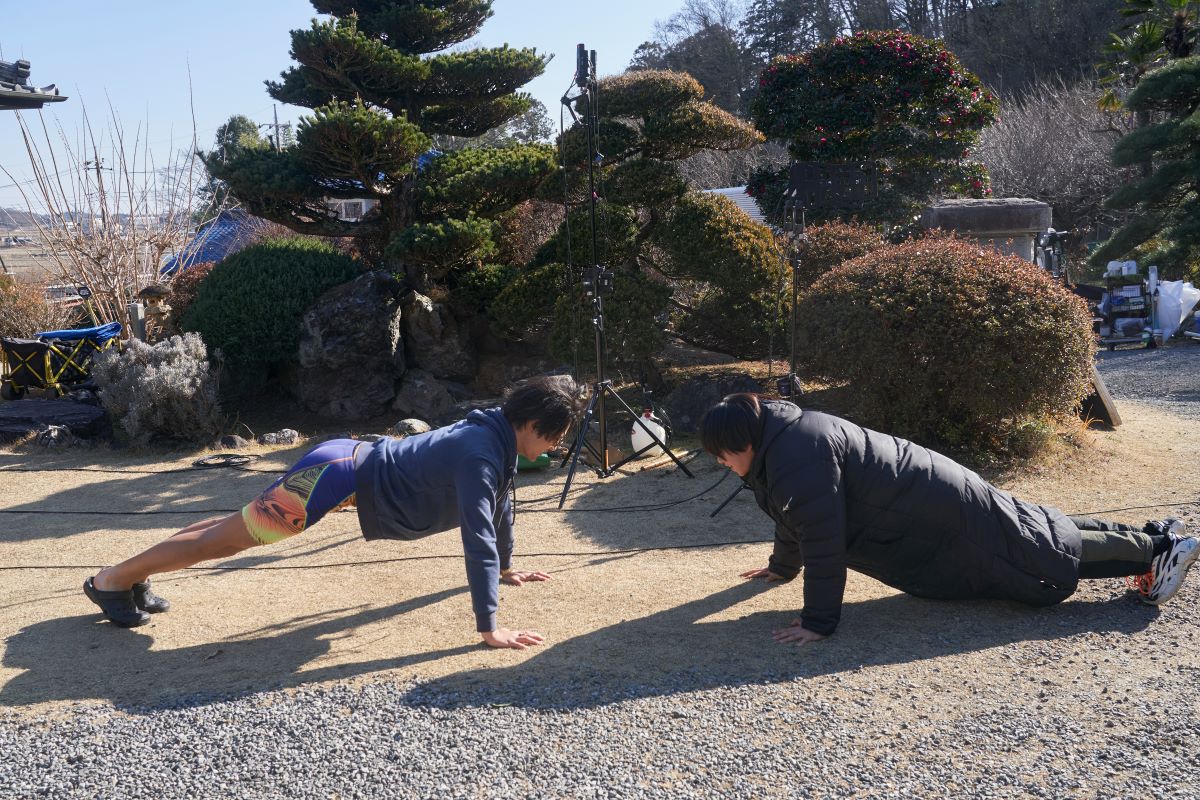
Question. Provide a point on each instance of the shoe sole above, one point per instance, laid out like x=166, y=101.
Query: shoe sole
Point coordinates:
x=1170, y=590
x=90, y=591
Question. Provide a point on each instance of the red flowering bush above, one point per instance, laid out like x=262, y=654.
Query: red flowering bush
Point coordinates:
x=900, y=101
x=948, y=343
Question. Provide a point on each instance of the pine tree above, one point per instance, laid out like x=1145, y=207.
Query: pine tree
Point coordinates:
x=1164, y=220
x=649, y=227
x=381, y=85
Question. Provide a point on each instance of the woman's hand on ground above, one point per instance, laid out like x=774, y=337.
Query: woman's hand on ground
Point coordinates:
x=517, y=577
x=763, y=573
x=797, y=633
x=517, y=640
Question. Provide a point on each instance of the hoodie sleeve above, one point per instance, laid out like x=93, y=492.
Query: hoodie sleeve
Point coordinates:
x=504, y=531
x=810, y=493
x=478, y=484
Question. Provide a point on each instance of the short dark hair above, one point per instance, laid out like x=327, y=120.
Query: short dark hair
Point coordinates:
x=551, y=402
x=730, y=425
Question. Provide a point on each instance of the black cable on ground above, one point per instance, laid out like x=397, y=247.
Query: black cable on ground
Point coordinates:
x=455, y=556
x=236, y=461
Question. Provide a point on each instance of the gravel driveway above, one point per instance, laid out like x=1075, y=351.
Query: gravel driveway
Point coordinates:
x=1167, y=377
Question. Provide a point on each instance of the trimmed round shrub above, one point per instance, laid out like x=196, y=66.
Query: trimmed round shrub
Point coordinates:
x=476, y=289
x=831, y=244
x=708, y=238
x=645, y=182
x=947, y=343
x=747, y=326
x=638, y=93
x=528, y=298
x=634, y=318
x=251, y=304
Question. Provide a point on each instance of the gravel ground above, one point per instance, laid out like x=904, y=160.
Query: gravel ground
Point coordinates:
x=839, y=736
x=1011, y=704
x=1167, y=377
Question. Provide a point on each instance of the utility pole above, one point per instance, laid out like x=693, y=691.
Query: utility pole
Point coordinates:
x=278, y=143
x=100, y=189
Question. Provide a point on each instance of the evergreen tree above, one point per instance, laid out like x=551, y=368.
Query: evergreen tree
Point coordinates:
x=1165, y=205
x=650, y=227
x=774, y=28
x=381, y=86
x=238, y=135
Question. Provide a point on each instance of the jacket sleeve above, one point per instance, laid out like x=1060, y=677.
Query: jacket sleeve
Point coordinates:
x=810, y=492
x=786, y=558
x=504, y=531
x=477, y=484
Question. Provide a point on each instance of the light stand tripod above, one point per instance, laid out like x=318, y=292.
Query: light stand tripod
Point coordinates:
x=598, y=283
x=813, y=186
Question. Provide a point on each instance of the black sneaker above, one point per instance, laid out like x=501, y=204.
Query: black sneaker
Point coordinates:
x=147, y=600
x=118, y=607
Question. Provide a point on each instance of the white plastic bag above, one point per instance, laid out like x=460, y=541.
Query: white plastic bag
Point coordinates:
x=1176, y=299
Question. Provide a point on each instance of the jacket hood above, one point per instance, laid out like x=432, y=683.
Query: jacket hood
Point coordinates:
x=777, y=416
x=494, y=418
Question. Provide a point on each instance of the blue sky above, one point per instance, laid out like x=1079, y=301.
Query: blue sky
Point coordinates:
x=137, y=54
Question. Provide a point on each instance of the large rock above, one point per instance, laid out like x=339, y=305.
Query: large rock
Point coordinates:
x=421, y=395
x=435, y=342
x=351, y=350
x=499, y=372
x=22, y=417
x=692, y=398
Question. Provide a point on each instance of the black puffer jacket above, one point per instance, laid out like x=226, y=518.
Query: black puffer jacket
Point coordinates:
x=843, y=496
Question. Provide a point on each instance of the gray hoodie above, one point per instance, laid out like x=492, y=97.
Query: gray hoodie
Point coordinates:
x=457, y=476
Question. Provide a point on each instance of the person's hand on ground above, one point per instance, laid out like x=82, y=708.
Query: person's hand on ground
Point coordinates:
x=517, y=640
x=797, y=633
x=517, y=577
x=763, y=573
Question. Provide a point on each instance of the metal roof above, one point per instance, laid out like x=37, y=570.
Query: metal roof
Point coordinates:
x=744, y=201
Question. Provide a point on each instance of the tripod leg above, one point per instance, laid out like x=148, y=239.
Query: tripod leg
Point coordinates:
x=577, y=447
x=650, y=433
x=728, y=500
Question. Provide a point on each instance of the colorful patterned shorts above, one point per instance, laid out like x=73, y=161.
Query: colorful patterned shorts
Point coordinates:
x=320, y=482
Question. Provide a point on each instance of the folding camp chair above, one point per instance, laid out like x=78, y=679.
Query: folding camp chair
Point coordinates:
x=57, y=360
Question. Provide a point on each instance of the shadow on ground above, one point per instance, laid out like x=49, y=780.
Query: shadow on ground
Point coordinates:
x=676, y=652
x=664, y=654
x=74, y=658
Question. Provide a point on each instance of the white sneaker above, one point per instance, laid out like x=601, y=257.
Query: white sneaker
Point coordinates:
x=1170, y=567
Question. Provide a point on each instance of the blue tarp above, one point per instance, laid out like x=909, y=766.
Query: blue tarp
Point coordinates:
x=223, y=236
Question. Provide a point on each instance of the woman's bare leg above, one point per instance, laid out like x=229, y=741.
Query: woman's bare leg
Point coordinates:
x=201, y=541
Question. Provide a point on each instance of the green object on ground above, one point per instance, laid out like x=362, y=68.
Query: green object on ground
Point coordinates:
x=541, y=462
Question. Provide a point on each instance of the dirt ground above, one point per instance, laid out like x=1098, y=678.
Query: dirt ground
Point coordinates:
x=328, y=606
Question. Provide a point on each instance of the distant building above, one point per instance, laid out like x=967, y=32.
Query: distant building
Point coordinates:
x=351, y=210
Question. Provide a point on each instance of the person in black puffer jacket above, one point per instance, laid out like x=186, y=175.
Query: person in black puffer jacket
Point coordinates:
x=844, y=497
